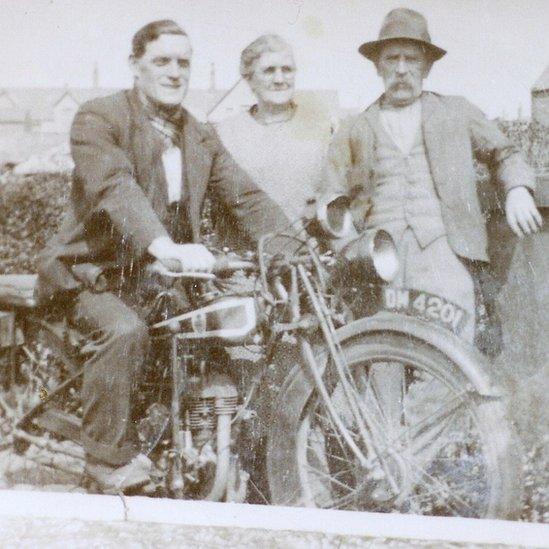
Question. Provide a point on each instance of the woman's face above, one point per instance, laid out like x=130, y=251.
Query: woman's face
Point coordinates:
x=273, y=78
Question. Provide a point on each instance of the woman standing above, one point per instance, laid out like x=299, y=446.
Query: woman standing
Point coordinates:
x=281, y=143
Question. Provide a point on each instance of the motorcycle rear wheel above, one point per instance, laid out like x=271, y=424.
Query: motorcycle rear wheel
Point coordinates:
x=456, y=454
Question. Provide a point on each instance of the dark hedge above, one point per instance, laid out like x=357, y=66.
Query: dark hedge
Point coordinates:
x=31, y=209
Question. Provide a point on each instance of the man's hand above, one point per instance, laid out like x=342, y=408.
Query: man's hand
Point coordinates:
x=185, y=257
x=522, y=215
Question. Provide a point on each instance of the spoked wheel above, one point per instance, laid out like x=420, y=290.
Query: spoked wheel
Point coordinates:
x=437, y=447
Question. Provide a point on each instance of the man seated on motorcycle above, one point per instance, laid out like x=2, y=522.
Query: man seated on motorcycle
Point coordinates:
x=407, y=164
x=143, y=166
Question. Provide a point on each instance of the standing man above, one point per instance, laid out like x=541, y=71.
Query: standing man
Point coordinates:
x=143, y=166
x=407, y=164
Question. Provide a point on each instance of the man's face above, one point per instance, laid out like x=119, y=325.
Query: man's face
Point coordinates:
x=273, y=78
x=162, y=72
x=402, y=65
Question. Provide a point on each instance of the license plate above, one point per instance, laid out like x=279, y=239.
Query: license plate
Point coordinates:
x=426, y=306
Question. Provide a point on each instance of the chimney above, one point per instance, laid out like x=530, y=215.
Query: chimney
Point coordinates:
x=212, y=87
x=95, y=78
x=28, y=122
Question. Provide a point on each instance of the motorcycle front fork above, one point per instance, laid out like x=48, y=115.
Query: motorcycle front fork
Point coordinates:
x=372, y=441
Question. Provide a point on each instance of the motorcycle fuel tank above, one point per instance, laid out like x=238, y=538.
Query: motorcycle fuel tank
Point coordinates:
x=230, y=319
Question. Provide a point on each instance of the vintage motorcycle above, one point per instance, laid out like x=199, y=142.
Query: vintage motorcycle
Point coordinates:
x=388, y=412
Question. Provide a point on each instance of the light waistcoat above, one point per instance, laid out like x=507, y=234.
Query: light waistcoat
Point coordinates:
x=404, y=191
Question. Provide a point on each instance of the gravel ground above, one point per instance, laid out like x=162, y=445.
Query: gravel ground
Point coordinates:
x=31, y=533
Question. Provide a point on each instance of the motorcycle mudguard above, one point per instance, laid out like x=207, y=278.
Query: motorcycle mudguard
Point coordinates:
x=473, y=364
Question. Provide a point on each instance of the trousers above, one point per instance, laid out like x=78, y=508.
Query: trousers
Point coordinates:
x=118, y=343
x=438, y=270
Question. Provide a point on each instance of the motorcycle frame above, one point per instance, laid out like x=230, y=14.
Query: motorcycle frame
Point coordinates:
x=475, y=366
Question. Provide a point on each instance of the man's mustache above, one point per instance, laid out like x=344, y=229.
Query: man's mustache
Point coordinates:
x=401, y=85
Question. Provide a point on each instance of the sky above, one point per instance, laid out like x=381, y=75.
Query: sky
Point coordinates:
x=497, y=49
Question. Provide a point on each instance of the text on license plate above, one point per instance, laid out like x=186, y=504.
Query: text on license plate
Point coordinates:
x=426, y=306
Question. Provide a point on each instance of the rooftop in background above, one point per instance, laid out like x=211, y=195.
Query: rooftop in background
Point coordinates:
x=34, y=120
x=240, y=97
x=40, y=103
x=35, y=106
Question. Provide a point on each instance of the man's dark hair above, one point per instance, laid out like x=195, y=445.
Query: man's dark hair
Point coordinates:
x=150, y=32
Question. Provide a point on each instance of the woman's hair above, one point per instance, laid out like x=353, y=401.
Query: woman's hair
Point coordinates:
x=152, y=31
x=252, y=52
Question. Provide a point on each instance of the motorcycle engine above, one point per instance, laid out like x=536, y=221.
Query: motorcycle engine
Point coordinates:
x=208, y=398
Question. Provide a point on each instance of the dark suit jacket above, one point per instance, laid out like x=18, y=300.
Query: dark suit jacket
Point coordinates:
x=455, y=132
x=119, y=195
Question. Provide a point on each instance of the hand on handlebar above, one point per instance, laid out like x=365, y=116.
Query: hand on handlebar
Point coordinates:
x=182, y=257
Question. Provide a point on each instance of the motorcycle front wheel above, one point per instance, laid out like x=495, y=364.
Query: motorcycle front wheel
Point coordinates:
x=442, y=448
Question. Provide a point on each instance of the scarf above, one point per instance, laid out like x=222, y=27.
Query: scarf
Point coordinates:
x=167, y=121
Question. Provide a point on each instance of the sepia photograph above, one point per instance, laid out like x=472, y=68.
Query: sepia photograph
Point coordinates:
x=274, y=273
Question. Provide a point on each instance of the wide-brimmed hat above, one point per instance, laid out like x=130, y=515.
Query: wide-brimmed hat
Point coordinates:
x=402, y=24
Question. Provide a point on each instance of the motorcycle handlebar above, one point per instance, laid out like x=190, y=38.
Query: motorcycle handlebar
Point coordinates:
x=226, y=265
x=223, y=266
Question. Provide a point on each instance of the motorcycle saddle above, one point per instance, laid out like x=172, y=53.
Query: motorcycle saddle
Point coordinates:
x=17, y=290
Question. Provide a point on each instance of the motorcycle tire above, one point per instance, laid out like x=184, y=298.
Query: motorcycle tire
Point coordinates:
x=299, y=475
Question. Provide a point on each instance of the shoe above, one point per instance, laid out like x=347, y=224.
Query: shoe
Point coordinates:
x=114, y=480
